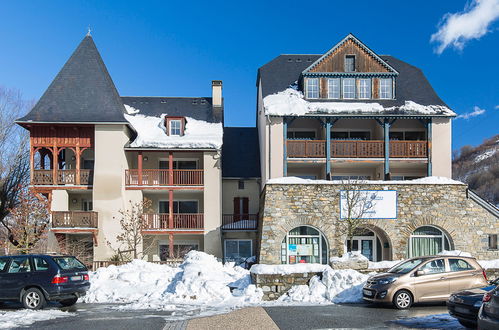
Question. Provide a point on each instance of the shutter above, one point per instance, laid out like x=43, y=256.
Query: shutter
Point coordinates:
x=237, y=208
x=245, y=205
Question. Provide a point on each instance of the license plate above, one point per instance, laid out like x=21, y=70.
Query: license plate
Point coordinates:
x=76, y=278
x=368, y=293
x=461, y=310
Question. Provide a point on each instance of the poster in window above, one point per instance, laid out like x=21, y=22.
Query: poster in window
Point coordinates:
x=292, y=249
x=305, y=249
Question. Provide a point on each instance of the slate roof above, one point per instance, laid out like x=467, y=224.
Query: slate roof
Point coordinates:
x=240, y=153
x=82, y=91
x=411, y=84
x=199, y=108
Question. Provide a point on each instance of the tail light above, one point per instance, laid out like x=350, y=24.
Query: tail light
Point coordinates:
x=484, y=275
x=58, y=279
x=86, y=277
x=487, y=297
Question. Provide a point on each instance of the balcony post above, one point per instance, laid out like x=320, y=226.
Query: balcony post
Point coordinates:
x=171, y=251
x=139, y=167
x=428, y=150
x=170, y=168
x=55, y=157
x=78, y=153
x=328, y=149
x=285, y=141
x=386, y=136
x=32, y=163
x=170, y=209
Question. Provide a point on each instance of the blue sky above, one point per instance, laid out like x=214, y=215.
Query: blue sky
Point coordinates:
x=175, y=48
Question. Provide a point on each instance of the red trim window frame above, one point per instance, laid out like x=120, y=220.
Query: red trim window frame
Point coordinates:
x=168, y=125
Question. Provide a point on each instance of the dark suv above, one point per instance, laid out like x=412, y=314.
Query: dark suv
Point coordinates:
x=35, y=279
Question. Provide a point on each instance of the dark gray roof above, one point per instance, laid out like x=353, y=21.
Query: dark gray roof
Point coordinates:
x=82, y=91
x=199, y=108
x=411, y=83
x=240, y=153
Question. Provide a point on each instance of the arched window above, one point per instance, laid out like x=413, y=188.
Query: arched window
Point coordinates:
x=304, y=244
x=428, y=240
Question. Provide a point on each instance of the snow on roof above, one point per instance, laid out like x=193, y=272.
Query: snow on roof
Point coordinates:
x=291, y=102
x=151, y=133
x=425, y=180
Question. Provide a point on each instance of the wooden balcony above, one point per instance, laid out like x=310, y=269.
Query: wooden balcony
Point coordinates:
x=134, y=177
x=64, y=177
x=74, y=219
x=239, y=222
x=160, y=221
x=356, y=149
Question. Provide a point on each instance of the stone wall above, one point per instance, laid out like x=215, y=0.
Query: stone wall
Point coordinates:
x=446, y=206
x=275, y=285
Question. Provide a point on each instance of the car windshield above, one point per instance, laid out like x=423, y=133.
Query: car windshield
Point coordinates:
x=69, y=263
x=406, y=266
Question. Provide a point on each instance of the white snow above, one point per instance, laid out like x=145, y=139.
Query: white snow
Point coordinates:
x=288, y=269
x=487, y=154
x=151, y=133
x=454, y=253
x=349, y=256
x=131, y=110
x=487, y=264
x=385, y=264
x=241, y=224
x=25, y=317
x=291, y=102
x=425, y=180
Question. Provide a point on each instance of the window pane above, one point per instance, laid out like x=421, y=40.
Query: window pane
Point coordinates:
x=163, y=207
x=457, y=265
x=40, y=264
x=339, y=135
x=245, y=249
x=396, y=136
x=365, y=88
x=304, y=135
x=312, y=88
x=349, y=88
x=434, y=267
x=349, y=63
x=360, y=135
x=3, y=264
x=186, y=165
x=414, y=136
x=427, y=230
x=188, y=207
x=175, y=126
x=385, y=88
x=493, y=241
x=67, y=263
x=333, y=88
x=20, y=265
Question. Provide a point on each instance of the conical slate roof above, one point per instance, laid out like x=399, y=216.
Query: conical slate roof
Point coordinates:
x=82, y=91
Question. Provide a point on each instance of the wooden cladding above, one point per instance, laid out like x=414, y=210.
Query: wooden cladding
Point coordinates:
x=62, y=136
x=335, y=62
x=155, y=177
x=356, y=149
x=74, y=219
x=240, y=222
x=64, y=177
x=160, y=221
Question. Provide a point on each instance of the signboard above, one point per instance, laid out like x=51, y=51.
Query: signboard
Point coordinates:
x=305, y=249
x=292, y=249
x=368, y=204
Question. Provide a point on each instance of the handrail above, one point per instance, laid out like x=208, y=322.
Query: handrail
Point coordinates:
x=164, y=177
x=74, y=219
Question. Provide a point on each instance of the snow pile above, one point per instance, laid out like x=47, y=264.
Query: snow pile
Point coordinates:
x=291, y=102
x=25, y=317
x=336, y=286
x=349, y=256
x=151, y=133
x=425, y=180
x=454, y=253
x=487, y=264
x=288, y=269
x=385, y=264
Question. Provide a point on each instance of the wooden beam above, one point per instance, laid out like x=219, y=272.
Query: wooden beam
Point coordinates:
x=170, y=209
x=139, y=166
x=170, y=168
x=78, y=165
x=55, y=163
x=170, y=245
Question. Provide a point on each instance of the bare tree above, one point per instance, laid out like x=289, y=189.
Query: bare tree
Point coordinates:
x=355, y=204
x=132, y=222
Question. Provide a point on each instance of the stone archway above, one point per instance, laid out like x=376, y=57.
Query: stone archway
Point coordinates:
x=409, y=229
x=378, y=241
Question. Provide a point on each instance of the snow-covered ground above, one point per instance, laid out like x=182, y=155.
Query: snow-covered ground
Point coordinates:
x=25, y=317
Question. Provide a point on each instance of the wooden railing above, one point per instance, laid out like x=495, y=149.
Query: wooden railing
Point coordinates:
x=240, y=222
x=356, y=149
x=74, y=219
x=157, y=221
x=64, y=177
x=155, y=177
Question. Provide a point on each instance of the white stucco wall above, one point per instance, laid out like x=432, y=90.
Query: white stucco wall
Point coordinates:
x=213, y=206
x=441, y=147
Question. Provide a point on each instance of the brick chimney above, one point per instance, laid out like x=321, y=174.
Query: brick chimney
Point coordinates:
x=217, y=101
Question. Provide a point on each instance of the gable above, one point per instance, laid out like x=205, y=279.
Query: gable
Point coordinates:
x=365, y=59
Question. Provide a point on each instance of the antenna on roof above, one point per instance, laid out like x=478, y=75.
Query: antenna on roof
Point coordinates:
x=88, y=31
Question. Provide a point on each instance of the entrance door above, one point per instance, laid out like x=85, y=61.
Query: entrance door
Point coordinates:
x=367, y=248
x=366, y=245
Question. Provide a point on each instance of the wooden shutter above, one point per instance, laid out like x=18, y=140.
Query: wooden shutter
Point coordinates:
x=245, y=205
x=237, y=209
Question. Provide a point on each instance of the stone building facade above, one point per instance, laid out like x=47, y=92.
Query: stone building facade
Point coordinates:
x=446, y=207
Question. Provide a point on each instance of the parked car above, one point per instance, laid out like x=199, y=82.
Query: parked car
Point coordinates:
x=464, y=305
x=488, y=316
x=424, y=279
x=35, y=279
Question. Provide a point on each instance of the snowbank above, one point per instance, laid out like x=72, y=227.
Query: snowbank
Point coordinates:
x=425, y=180
x=383, y=264
x=487, y=264
x=291, y=102
x=349, y=256
x=288, y=269
x=25, y=317
x=151, y=133
x=454, y=253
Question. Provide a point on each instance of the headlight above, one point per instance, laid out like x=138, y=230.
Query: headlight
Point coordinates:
x=387, y=280
x=477, y=304
x=452, y=298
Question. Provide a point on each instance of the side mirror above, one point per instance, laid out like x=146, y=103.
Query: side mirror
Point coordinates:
x=420, y=273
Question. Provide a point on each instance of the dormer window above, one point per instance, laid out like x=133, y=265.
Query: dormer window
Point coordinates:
x=385, y=88
x=349, y=63
x=312, y=88
x=175, y=126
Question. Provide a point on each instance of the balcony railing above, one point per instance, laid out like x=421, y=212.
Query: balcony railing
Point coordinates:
x=74, y=219
x=64, y=177
x=240, y=222
x=356, y=149
x=161, y=221
x=134, y=177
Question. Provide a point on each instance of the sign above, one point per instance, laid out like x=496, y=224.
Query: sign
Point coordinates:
x=368, y=204
x=292, y=249
x=305, y=249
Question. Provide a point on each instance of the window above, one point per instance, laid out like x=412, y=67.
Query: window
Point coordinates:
x=385, y=88
x=434, y=267
x=3, y=264
x=354, y=135
x=179, y=164
x=240, y=207
x=351, y=177
x=304, y=244
x=179, y=207
x=349, y=88
x=20, y=265
x=238, y=250
x=69, y=263
x=40, y=264
x=240, y=184
x=365, y=88
x=88, y=164
x=312, y=88
x=349, y=63
x=408, y=136
x=493, y=241
x=457, y=265
x=175, y=127
x=404, y=177
x=303, y=135
x=427, y=241
x=333, y=88
x=179, y=250
x=87, y=205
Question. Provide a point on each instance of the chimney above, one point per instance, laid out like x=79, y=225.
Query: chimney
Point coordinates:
x=217, y=103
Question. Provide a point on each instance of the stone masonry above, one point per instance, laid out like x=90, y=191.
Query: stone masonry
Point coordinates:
x=446, y=206
x=276, y=285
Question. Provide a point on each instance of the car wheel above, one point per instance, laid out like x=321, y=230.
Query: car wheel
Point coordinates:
x=33, y=299
x=68, y=302
x=402, y=299
x=467, y=324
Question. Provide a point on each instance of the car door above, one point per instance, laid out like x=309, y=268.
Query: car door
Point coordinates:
x=17, y=276
x=4, y=264
x=433, y=285
x=462, y=275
